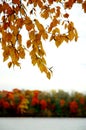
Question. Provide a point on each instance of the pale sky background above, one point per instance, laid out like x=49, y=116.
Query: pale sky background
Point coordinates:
x=68, y=61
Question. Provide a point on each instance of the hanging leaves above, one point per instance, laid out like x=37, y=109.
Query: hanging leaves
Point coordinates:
x=42, y=20
x=41, y=29
x=21, y=52
x=53, y=24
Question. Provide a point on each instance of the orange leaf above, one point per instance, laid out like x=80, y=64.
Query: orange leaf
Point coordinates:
x=19, y=39
x=84, y=6
x=69, y=4
x=1, y=9
x=15, y=30
x=58, y=11
x=19, y=22
x=79, y=1
x=52, y=10
x=8, y=37
x=50, y=1
x=16, y=2
x=28, y=43
x=29, y=26
x=16, y=9
x=28, y=23
x=53, y=24
x=6, y=25
x=12, y=18
x=40, y=4
x=45, y=14
x=22, y=11
x=5, y=6
x=66, y=15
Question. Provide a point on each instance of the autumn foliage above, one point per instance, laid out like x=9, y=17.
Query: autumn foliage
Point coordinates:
x=29, y=14
x=35, y=103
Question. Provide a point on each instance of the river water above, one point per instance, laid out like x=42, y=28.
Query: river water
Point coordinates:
x=42, y=123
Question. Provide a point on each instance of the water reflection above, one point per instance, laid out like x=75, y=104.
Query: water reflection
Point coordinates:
x=42, y=123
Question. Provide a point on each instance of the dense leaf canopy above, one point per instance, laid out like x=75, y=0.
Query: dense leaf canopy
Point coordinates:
x=29, y=14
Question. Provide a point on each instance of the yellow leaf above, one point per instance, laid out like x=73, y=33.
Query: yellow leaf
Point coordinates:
x=70, y=26
x=71, y=35
x=58, y=40
x=21, y=52
x=45, y=13
x=14, y=55
x=41, y=51
x=27, y=20
x=39, y=26
x=56, y=30
x=52, y=10
x=48, y=75
x=42, y=68
x=32, y=35
x=43, y=60
x=52, y=37
x=9, y=64
x=76, y=34
x=45, y=35
x=28, y=23
x=57, y=43
x=34, y=59
x=65, y=37
x=41, y=29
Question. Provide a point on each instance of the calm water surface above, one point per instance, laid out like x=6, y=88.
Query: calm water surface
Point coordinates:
x=42, y=123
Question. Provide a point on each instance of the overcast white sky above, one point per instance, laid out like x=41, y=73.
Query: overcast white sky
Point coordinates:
x=68, y=61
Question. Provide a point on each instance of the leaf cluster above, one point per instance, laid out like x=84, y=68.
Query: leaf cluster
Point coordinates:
x=16, y=14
